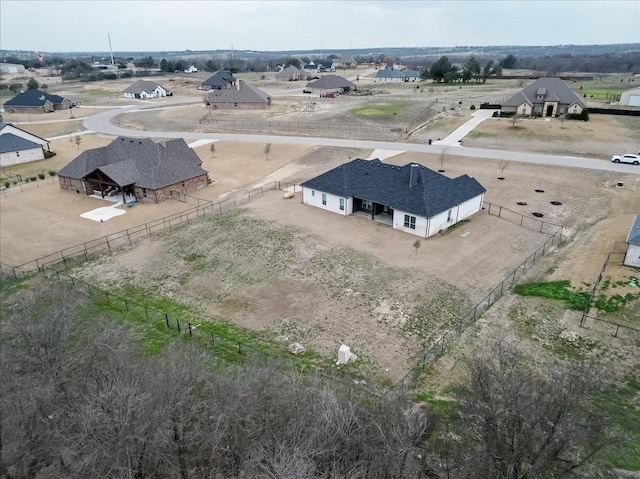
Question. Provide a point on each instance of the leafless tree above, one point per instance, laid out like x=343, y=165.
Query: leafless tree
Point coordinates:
x=502, y=166
x=213, y=150
x=416, y=245
x=77, y=139
x=523, y=423
x=267, y=149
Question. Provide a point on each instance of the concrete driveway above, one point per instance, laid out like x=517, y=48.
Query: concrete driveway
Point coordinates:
x=456, y=137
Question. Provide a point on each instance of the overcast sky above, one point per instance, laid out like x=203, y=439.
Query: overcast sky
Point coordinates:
x=62, y=26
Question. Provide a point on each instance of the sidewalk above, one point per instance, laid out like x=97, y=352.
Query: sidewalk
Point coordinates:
x=455, y=138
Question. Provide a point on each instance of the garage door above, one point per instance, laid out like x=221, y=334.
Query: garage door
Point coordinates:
x=634, y=100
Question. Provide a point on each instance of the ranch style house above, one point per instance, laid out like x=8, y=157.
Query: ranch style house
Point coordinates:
x=145, y=89
x=139, y=168
x=36, y=101
x=243, y=96
x=410, y=198
x=549, y=97
x=219, y=80
x=19, y=146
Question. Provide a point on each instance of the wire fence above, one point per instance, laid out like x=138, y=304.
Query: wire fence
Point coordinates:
x=409, y=381
x=612, y=327
x=83, y=251
x=204, y=331
x=326, y=126
x=22, y=185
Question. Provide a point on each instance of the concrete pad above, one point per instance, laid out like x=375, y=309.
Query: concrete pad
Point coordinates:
x=383, y=154
x=105, y=213
x=198, y=143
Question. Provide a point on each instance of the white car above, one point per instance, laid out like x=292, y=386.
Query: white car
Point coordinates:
x=631, y=159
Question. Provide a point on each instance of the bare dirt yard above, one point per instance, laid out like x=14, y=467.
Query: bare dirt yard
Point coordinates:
x=600, y=137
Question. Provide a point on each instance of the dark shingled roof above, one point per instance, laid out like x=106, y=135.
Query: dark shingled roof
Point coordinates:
x=220, y=79
x=243, y=93
x=140, y=86
x=141, y=162
x=553, y=89
x=634, y=233
x=389, y=185
x=10, y=142
x=330, y=81
x=33, y=98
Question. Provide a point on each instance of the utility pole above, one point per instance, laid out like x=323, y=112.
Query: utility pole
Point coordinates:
x=110, y=49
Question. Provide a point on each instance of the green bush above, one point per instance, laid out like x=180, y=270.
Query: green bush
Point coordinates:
x=34, y=178
x=7, y=184
x=110, y=76
x=27, y=180
x=41, y=175
x=506, y=114
x=584, y=116
x=53, y=172
x=473, y=107
x=49, y=154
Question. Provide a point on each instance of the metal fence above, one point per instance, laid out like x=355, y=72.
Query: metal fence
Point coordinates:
x=222, y=345
x=403, y=386
x=83, y=251
x=611, y=326
x=22, y=186
x=522, y=220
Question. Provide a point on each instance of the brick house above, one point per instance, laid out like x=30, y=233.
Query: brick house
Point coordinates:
x=138, y=168
x=242, y=96
x=19, y=146
x=36, y=101
x=548, y=97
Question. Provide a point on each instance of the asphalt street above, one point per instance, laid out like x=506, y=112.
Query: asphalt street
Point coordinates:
x=101, y=123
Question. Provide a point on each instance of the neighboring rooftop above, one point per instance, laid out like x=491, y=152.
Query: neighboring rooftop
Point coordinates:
x=242, y=93
x=551, y=88
x=34, y=98
x=634, y=232
x=140, y=86
x=220, y=79
x=10, y=142
x=138, y=161
x=331, y=81
x=387, y=184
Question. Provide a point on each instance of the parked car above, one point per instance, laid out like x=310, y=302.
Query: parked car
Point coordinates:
x=631, y=159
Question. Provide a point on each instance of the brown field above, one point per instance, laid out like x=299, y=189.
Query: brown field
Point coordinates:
x=600, y=137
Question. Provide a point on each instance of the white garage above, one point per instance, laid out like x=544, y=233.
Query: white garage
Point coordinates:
x=630, y=97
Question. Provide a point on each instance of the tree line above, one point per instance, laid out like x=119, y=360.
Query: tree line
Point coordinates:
x=80, y=399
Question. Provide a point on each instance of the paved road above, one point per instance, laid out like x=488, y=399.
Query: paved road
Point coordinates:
x=101, y=123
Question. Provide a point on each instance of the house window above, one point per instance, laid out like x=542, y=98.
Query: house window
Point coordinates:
x=561, y=111
x=367, y=205
x=324, y=199
x=341, y=204
x=449, y=215
x=313, y=192
x=144, y=192
x=524, y=110
x=410, y=222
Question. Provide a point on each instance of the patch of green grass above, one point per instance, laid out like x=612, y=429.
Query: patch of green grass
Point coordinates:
x=457, y=225
x=576, y=349
x=613, y=303
x=558, y=290
x=379, y=109
x=442, y=407
x=98, y=92
x=622, y=406
x=191, y=257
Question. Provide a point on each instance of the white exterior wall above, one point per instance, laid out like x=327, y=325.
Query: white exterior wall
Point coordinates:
x=23, y=156
x=22, y=134
x=314, y=198
x=632, y=258
x=441, y=221
x=574, y=108
x=421, y=223
x=389, y=80
x=625, y=96
x=524, y=109
x=129, y=95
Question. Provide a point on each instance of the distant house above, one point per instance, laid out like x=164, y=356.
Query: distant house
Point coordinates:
x=11, y=68
x=632, y=258
x=389, y=75
x=19, y=146
x=411, y=198
x=242, y=96
x=411, y=75
x=141, y=168
x=343, y=62
x=548, y=97
x=630, y=97
x=319, y=66
x=290, y=73
x=36, y=101
x=145, y=89
x=219, y=80
x=191, y=69
x=330, y=84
